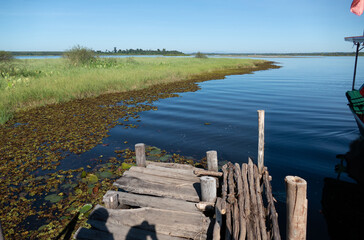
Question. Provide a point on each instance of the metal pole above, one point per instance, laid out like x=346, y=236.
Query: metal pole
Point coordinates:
x=356, y=62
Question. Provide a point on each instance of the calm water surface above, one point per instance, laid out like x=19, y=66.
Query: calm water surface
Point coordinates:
x=307, y=124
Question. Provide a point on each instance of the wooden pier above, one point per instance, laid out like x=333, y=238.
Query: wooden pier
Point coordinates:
x=175, y=201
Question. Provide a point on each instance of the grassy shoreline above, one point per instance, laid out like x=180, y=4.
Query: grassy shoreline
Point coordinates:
x=38, y=82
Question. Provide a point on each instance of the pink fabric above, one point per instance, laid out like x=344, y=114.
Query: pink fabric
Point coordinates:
x=357, y=7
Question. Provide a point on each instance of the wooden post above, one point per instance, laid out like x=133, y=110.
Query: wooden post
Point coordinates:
x=296, y=203
x=212, y=161
x=218, y=223
x=261, y=115
x=112, y=201
x=140, y=155
x=208, y=189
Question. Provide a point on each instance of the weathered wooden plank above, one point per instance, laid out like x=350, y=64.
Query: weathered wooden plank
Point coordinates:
x=136, y=185
x=236, y=221
x=261, y=209
x=229, y=226
x=250, y=231
x=187, y=172
x=253, y=200
x=271, y=207
x=160, y=179
x=171, y=165
x=224, y=189
x=239, y=181
x=163, y=173
x=202, y=172
x=218, y=223
x=173, y=223
x=137, y=200
x=231, y=184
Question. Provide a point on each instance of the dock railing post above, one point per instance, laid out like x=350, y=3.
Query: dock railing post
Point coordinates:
x=296, y=207
x=212, y=164
x=208, y=189
x=140, y=155
x=261, y=116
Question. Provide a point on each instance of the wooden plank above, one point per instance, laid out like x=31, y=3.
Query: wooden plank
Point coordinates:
x=136, y=200
x=173, y=223
x=239, y=181
x=236, y=221
x=229, y=227
x=163, y=173
x=261, y=209
x=162, y=180
x=253, y=200
x=218, y=223
x=186, y=172
x=136, y=185
x=249, y=220
x=202, y=172
x=171, y=165
x=224, y=189
x=271, y=207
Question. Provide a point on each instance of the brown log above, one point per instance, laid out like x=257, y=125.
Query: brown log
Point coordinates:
x=218, y=222
x=229, y=227
x=253, y=200
x=261, y=209
x=202, y=172
x=272, y=210
x=296, y=201
x=231, y=194
x=250, y=232
x=242, y=216
x=224, y=189
x=236, y=221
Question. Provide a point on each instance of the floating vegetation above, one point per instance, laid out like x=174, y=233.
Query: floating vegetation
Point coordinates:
x=38, y=197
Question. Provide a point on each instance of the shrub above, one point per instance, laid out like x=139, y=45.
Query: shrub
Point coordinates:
x=5, y=56
x=200, y=55
x=79, y=55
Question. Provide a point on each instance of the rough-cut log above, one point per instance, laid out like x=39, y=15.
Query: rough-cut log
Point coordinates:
x=160, y=179
x=140, y=155
x=224, y=189
x=271, y=207
x=236, y=221
x=253, y=200
x=136, y=185
x=205, y=206
x=296, y=188
x=261, y=115
x=186, y=172
x=171, y=165
x=249, y=219
x=231, y=195
x=188, y=225
x=111, y=201
x=261, y=210
x=164, y=174
x=208, y=189
x=218, y=222
x=239, y=181
x=202, y=172
x=137, y=200
x=212, y=161
x=229, y=227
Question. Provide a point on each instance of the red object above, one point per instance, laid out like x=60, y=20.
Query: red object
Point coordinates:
x=361, y=90
x=357, y=7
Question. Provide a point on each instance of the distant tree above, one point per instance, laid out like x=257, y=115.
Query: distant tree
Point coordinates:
x=200, y=55
x=79, y=55
x=115, y=50
x=5, y=56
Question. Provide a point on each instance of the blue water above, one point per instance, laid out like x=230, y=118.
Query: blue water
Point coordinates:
x=307, y=124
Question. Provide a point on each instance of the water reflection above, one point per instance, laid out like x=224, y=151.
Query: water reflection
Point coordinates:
x=342, y=200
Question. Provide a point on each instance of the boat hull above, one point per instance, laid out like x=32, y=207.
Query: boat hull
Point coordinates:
x=358, y=121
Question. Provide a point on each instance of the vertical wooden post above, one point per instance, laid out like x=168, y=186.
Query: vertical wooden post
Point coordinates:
x=212, y=161
x=208, y=189
x=140, y=155
x=296, y=204
x=218, y=223
x=112, y=202
x=261, y=115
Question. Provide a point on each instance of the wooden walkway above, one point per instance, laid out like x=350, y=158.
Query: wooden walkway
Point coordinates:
x=161, y=198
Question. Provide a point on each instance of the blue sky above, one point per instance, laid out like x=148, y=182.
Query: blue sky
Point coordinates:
x=246, y=26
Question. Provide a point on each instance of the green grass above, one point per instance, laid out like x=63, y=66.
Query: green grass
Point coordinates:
x=30, y=83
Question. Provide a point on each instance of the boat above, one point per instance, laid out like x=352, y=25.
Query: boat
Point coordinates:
x=356, y=96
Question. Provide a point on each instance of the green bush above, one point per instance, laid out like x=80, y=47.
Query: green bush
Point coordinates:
x=200, y=55
x=5, y=56
x=79, y=55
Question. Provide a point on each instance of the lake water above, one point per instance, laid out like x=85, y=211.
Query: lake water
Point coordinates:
x=307, y=124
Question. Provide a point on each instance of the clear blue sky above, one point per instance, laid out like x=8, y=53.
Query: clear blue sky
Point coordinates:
x=187, y=25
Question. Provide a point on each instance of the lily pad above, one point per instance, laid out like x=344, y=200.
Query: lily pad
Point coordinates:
x=92, y=178
x=125, y=166
x=155, y=152
x=165, y=158
x=86, y=208
x=53, y=198
x=105, y=174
